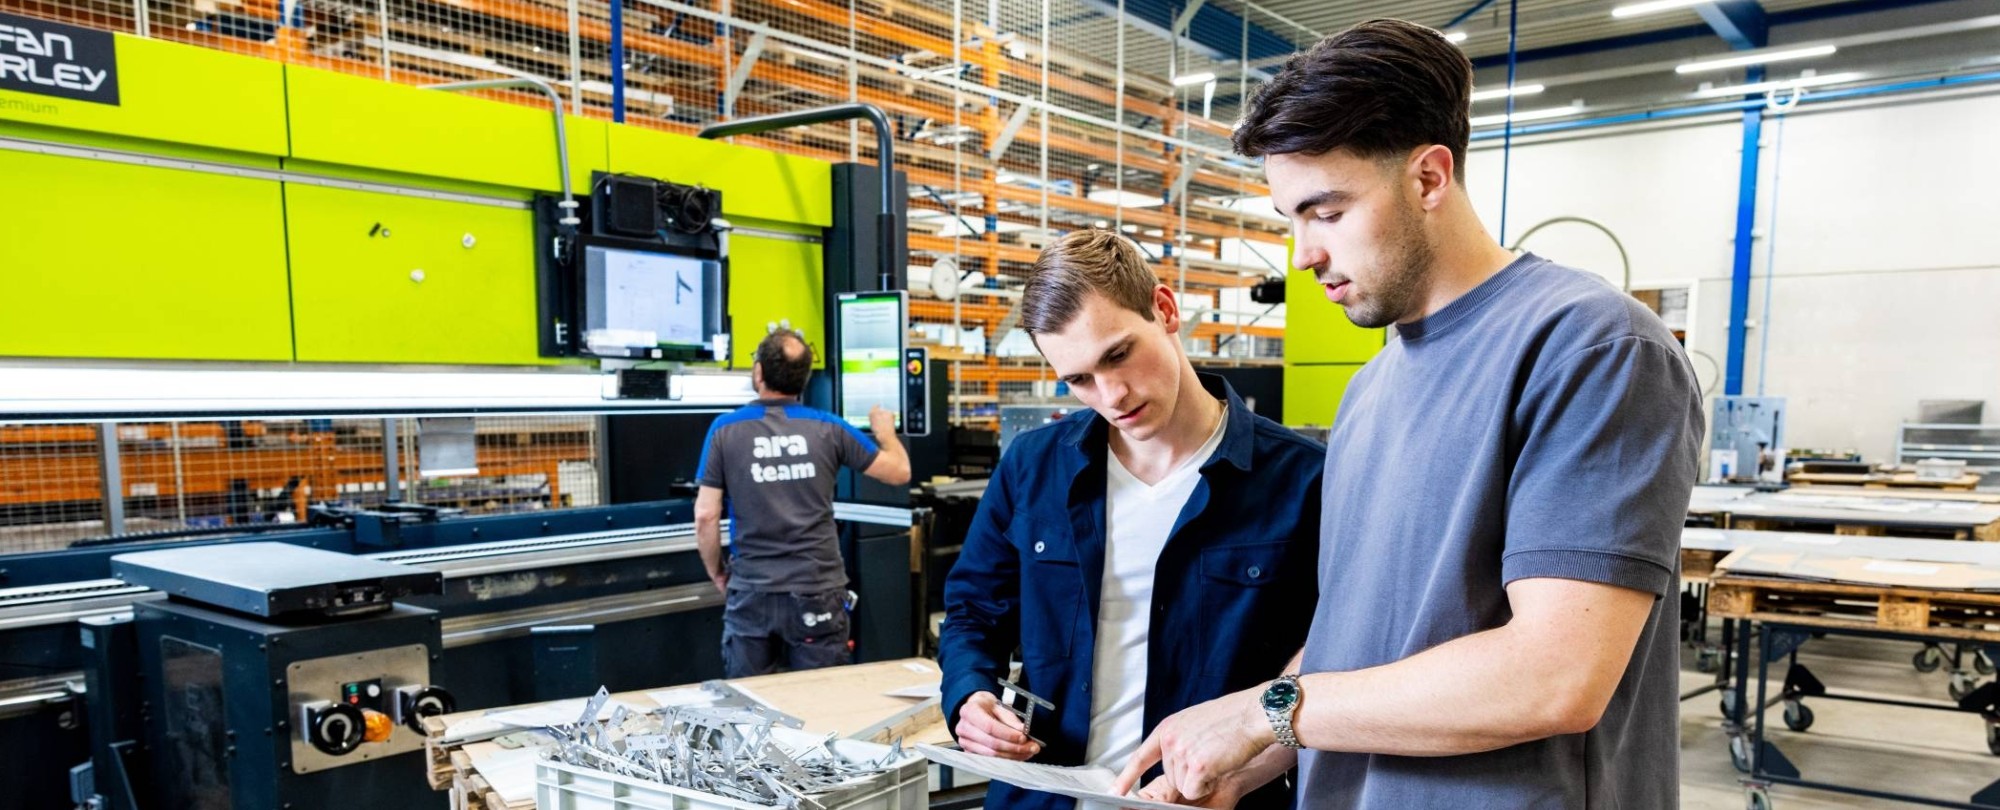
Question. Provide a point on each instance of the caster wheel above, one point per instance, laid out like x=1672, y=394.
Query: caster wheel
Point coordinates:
x=1928, y=659
x=1993, y=739
x=1962, y=685
x=1983, y=664
x=1739, y=753
x=1707, y=661
x=1756, y=798
x=1798, y=716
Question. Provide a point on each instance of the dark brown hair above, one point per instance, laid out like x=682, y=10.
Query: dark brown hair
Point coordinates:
x=1081, y=263
x=783, y=372
x=1379, y=90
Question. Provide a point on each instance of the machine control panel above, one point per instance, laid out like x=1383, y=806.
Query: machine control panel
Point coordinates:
x=361, y=706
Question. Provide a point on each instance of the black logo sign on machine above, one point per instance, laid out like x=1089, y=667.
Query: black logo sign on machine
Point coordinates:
x=53, y=59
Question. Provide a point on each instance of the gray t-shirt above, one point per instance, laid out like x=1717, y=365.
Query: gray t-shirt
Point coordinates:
x=1543, y=425
x=776, y=462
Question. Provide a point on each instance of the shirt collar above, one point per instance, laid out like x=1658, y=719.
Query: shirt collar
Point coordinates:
x=1238, y=439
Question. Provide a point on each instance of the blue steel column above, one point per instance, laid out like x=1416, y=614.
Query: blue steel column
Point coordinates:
x=1746, y=226
x=617, y=62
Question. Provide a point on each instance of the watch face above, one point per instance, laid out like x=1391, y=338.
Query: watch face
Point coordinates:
x=1281, y=696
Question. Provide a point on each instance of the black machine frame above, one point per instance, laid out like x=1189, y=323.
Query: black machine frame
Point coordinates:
x=1763, y=762
x=562, y=299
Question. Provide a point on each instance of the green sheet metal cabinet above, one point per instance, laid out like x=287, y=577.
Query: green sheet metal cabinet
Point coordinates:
x=381, y=278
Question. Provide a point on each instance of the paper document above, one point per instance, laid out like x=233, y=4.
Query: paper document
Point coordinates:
x=510, y=773
x=922, y=691
x=561, y=712
x=693, y=696
x=1089, y=784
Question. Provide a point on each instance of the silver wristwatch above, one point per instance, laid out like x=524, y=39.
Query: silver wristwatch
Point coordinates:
x=1281, y=701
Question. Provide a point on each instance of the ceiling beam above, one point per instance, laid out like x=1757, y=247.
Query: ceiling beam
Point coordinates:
x=1773, y=19
x=1741, y=23
x=1466, y=14
x=1214, y=32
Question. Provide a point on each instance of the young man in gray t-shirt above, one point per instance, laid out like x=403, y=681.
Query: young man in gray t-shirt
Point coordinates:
x=1504, y=488
x=771, y=466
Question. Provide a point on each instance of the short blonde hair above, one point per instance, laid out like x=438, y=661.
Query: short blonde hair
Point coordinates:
x=1081, y=263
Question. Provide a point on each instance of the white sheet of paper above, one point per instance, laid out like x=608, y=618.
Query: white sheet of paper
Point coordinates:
x=1894, y=567
x=477, y=728
x=922, y=691
x=1090, y=784
x=557, y=713
x=684, y=696
x=511, y=773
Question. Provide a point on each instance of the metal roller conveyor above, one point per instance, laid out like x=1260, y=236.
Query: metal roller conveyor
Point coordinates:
x=66, y=602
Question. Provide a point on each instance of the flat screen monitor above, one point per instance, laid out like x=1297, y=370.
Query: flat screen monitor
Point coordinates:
x=870, y=352
x=635, y=296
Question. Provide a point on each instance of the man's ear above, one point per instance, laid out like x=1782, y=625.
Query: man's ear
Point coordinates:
x=1432, y=173
x=1167, y=309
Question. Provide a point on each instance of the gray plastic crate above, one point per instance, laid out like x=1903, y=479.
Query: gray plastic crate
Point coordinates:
x=561, y=786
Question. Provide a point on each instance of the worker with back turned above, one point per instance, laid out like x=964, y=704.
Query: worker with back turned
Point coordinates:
x=771, y=466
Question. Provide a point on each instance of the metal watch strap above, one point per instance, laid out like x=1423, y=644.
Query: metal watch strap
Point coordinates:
x=1281, y=721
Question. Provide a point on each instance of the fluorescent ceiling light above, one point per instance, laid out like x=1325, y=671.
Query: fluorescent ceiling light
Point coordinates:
x=1193, y=79
x=1455, y=37
x=1762, y=87
x=1527, y=115
x=1653, y=7
x=1518, y=90
x=1766, y=57
x=1124, y=199
x=811, y=54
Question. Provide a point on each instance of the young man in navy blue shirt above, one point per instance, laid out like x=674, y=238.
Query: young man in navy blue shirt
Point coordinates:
x=1497, y=624
x=1145, y=555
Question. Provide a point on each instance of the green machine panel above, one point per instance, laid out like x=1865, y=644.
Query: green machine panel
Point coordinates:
x=379, y=278
x=362, y=122
x=1318, y=331
x=120, y=261
x=1312, y=393
x=773, y=280
x=169, y=93
x=755, y=183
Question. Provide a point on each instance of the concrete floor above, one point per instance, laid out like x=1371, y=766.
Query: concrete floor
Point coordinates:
x=1937, y=754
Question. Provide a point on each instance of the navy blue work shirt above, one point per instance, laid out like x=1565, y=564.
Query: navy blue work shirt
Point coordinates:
x=1233, y=591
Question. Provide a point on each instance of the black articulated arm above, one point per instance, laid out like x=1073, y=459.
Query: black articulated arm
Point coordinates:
x=885, y=150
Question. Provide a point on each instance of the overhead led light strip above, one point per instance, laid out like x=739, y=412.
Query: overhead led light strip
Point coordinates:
x=1766, y=57
x=1654, y=7
x=1763, y=87
x=1516, y=91
x=1527, y=115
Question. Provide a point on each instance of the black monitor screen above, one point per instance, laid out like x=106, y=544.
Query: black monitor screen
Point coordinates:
x=640, y=298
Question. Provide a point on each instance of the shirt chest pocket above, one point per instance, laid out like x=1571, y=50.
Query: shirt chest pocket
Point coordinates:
x=1253, y=565
x=1051, y=586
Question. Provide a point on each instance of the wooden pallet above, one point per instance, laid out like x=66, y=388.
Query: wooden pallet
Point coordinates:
x=1964, y=483
x=1698, y=564
x=1968, y=615
x=1988, y=533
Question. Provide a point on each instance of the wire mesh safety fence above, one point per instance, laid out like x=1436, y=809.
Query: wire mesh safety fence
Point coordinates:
x=62, y=484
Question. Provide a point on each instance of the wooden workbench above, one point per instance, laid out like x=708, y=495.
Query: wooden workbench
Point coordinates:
x=1900, y=481
x=843, y=700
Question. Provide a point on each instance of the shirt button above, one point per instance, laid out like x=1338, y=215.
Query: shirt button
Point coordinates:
x=1039, y=545
x=1255, y=572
